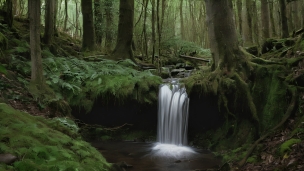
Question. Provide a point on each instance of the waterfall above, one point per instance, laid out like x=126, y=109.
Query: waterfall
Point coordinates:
x=173, y=105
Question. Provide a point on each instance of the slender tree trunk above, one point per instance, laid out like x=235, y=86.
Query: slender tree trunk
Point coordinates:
x=98, y=22
x=123, y=49
x=66, y=15
x=88, y=37
x=295, y=15
x=145, y=28
x=55, y=18
x=8, y=18
x=158, y=32
x=239, y=11
x=49, y=22
x=255, y=23
x=108, y=4
x=265, y=18
x=226, y=50
x=290, y=16
x=34, y=16
x=284, y=24
x=273, y=26
x=181, y=15
x=77, y=22
x=153, y=30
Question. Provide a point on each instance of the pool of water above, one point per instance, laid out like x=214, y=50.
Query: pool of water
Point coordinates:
x=153, y=157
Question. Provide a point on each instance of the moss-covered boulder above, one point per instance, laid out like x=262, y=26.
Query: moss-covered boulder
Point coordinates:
x=45, y=144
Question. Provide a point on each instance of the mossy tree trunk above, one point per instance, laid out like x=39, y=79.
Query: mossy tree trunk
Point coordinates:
x=98, y=16
x=49, y=22
x=222, y=33
x=34, y=16
x=108, y=6
x=88, y=37
x=123, y=49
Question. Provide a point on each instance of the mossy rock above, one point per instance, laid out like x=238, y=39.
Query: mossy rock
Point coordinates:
x=45, y=144
x=285, y=147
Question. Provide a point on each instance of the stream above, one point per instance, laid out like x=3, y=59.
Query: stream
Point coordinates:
x=141, y=157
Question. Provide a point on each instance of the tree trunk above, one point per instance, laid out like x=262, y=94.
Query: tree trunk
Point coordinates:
x=88, y=37
x=239, y=11
x=247, y=24
x=66, y=15
x=77, y=22
x=8, y=18
x=265, y=18
x=34, y=16
x=55, y=18
x=273, y=26
x=295, y=15
x=153, y=30
x=226, y=51
x=108, y=4
x=181, y=15
x=49, y=22
x=98, y=22
x=123, y=49
x=284, y=24
x=145, y=28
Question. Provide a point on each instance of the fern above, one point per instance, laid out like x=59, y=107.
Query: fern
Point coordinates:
x=81, y=82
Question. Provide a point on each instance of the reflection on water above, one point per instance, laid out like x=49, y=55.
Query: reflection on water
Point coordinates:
x=143, y=158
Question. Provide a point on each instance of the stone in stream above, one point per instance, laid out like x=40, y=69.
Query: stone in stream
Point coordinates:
x=7, y=158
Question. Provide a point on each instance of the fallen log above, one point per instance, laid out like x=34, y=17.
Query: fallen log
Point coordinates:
x=195, y=58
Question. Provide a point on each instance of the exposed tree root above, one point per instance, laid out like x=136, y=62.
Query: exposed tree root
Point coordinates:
x=288, y=113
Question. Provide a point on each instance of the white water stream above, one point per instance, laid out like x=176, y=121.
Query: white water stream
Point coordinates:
x=173, y=106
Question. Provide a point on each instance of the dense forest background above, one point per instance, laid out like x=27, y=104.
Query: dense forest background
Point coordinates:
x=170, y=24
x=62, y=56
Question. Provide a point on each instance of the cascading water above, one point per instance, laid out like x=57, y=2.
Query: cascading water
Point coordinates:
x=172, y=114
x=173, y=106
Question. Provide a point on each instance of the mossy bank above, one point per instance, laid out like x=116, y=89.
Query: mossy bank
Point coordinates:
x=45, y=144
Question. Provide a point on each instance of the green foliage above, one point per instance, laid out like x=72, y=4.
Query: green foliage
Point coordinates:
x=285, y=147
x=80, y=82
x=45, y=144
x=180, y=46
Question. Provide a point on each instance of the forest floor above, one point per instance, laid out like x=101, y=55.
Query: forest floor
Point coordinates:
x=14, y=93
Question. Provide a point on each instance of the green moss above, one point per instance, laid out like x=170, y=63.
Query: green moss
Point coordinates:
x=252, y=159
x=285, y=147
x=269, y=95
x=45, y=144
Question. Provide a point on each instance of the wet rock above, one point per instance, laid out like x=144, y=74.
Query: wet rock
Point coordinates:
x=7, y=158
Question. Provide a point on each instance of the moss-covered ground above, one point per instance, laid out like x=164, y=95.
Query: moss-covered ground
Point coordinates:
x=45, y=144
